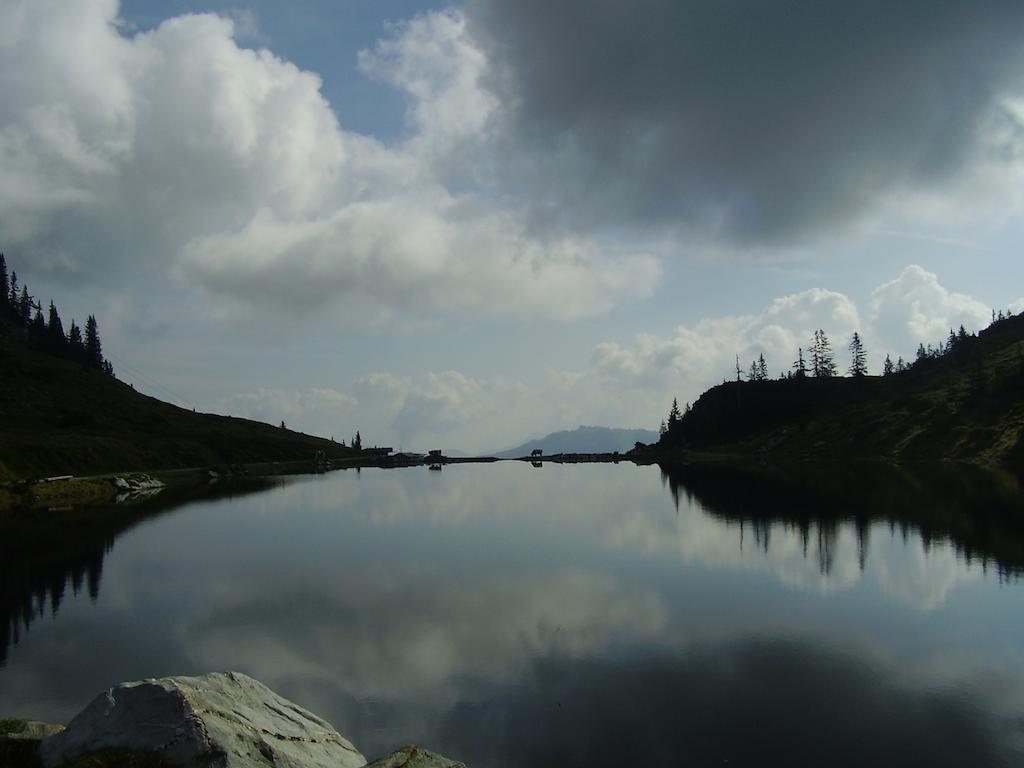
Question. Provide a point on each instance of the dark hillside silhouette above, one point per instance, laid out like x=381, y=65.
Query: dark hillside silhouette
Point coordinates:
x=961, y=399
x=62, y=410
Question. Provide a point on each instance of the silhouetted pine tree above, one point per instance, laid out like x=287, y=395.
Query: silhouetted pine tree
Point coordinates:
x=758, y=369
x=858, y=362
x=56, y=341
x=93, y=347
x=800, y=366
x=888, y=368
x=12, y=296
x=822, y=362
x=76, y=346
x=674, y=416
x=357, y=441
x=37, y=327
x=5, y=288
x=25, y=307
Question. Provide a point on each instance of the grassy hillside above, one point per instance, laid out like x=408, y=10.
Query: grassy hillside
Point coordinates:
x=58, y=418
x=967, y=404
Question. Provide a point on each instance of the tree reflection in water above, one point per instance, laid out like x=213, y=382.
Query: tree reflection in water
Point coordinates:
x=978, y=510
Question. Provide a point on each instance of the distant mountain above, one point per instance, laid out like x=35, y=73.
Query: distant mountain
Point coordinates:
x=583, y=440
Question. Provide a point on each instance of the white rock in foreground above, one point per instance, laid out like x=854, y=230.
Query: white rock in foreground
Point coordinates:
x=221, y=720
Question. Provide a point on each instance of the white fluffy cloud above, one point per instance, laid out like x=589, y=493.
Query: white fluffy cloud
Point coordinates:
x=915, y=308
x=698, y=356
x=180, y=150
x=629, y=385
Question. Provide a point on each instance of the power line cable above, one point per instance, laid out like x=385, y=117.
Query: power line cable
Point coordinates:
x=151, y=382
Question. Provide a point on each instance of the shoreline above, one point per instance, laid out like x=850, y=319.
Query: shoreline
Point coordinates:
x=67, y=491
x=63, y=493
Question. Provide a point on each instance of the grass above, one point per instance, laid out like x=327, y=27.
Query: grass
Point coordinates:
x=9, y=726
x=58, y=418
x=23, y=753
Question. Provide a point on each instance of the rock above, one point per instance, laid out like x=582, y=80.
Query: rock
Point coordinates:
x=220, y=720
x=414, y=757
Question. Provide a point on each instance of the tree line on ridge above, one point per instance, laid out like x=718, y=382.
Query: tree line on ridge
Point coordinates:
x=45, y=332
x=819, y=363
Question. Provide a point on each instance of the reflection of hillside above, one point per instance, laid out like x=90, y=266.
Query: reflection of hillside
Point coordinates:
x=42, y=553
x=978, y=510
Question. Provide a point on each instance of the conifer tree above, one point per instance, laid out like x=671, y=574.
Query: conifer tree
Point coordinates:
x=37, y=326
x=25, y=307
x=888, y=368
x=758, y=369
x=858, y=362
x=76, y=346
x=674, y=417
x=800, y=366
x=357, y=441
x=5, y=287
x=12, y=297
x=822, y=362
x=56, y=341
x=93, y=347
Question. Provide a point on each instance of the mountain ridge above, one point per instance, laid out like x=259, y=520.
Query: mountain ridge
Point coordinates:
x=963, y=403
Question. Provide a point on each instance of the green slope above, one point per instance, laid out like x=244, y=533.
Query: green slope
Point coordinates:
x=58, y=418
x=966, y=405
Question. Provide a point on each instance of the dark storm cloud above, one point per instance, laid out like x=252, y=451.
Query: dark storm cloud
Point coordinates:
x=758, y=120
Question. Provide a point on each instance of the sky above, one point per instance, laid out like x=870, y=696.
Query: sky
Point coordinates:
x=461, y=225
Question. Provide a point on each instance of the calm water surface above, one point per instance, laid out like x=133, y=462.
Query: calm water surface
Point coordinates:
x=568, y=615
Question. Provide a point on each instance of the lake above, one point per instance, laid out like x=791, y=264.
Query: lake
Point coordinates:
x=507, y=615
